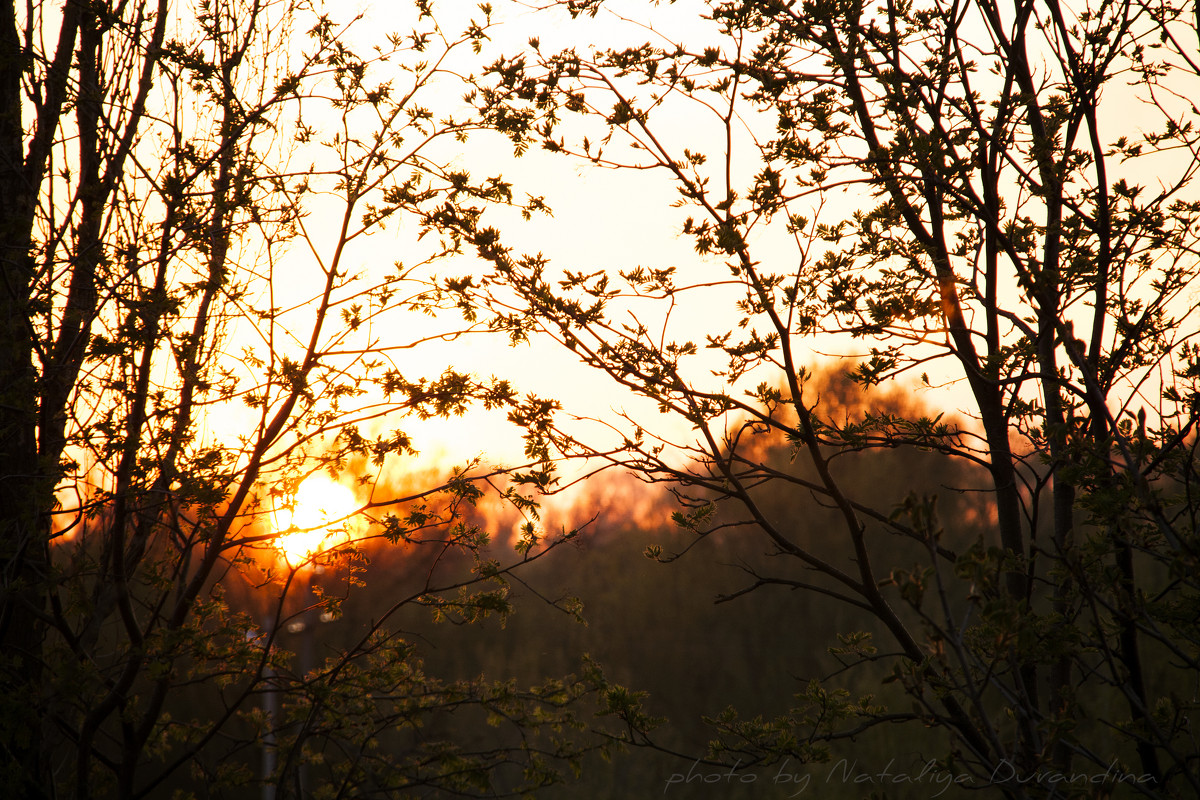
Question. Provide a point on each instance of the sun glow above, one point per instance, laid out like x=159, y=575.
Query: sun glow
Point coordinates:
x=317, y=519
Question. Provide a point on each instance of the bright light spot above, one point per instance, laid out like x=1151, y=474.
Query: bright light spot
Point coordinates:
x=319, y=516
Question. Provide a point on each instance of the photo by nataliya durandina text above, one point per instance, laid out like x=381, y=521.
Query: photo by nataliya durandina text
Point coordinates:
x=795, y=781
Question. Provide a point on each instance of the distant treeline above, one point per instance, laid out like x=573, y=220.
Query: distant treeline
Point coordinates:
x=685, y=630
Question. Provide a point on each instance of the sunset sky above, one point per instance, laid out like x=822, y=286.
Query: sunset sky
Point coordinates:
x=603, y=219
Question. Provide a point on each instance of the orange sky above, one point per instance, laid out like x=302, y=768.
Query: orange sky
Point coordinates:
x=603, y=219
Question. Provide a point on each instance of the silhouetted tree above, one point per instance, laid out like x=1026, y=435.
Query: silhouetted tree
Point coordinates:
x=186, y=333
x=993, y=201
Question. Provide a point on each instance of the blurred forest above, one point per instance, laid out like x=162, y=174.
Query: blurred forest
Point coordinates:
x=684, y=631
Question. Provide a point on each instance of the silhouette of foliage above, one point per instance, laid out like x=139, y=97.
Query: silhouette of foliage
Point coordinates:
x=187, y=334
x=961, y=196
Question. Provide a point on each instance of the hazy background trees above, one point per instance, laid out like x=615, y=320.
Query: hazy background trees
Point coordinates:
x=687, y=634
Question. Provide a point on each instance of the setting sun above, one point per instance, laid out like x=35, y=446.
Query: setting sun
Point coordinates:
x=316, y=520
